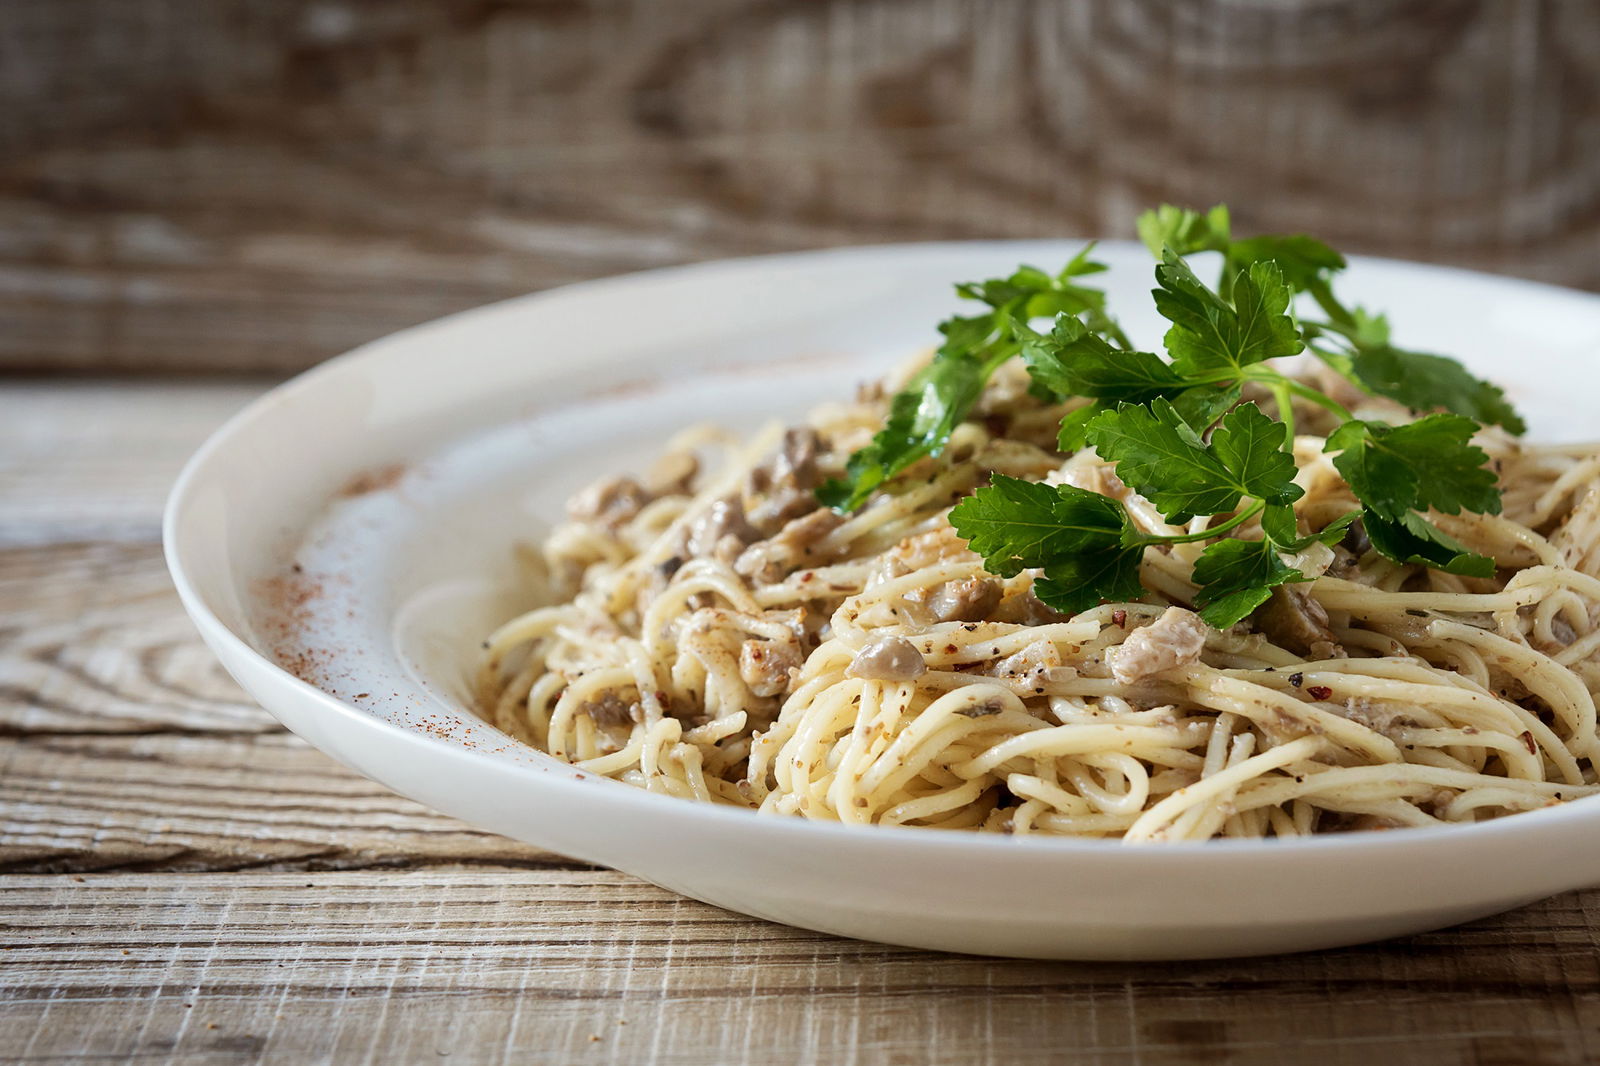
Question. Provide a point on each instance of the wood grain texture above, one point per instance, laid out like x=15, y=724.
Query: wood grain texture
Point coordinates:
x=92, y=461
x=256, y=184
x=181, y=881
x=92, y=638
x=592, y=966
x=123, y=744
x=174, y=802
x=95, y=641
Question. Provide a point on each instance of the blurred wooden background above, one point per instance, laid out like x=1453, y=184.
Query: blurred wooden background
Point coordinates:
x=254, y=185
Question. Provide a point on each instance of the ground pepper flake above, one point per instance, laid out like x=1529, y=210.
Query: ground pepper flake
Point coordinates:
x=1320, y=692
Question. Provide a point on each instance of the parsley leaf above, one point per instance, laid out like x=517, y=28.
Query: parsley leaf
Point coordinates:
x=1077, y=582
x=1018, y=525
x=1184, y=231
x=921, y=418
x=1414, y=539
x=1429, y=463
x=1165, y=460
x=1421, y=380
x=1079, y=538
x=1237, y=576
x=1304, y=261
x=1034, y=294
x=1031, y=293
x=1208, y=334
x=941, y=396
x=1397, y=471
x=1071, y=360
x=1281, y=527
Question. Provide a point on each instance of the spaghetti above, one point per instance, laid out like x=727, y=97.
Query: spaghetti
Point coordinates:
x=719, y=637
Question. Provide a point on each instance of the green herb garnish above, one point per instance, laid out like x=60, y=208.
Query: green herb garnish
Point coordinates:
x=1177, y=431
x=924, y=414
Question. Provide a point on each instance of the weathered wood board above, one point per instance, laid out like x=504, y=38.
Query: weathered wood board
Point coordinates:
x=254, y=184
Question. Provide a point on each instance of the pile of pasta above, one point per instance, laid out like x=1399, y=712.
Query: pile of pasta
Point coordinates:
x=712, y=633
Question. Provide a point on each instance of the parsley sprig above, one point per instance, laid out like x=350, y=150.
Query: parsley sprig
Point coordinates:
x=940, y=396
x=1352, y=340
x=1178, y=433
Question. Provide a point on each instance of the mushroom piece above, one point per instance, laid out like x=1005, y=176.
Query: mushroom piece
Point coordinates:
x=610, y=711
x=781, y=488
x=769, y=560
x=968, y=599
x=887, y=659
x=1293, y=619
x=610, y=502
x=768, y=666
x=710, y=533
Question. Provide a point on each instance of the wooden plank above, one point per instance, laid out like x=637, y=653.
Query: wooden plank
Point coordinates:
x=130, y=748
x=92, y=637
x=580, y=966
x=93, y=640
x=259, y=186
x=125, y=744
x=92, y=460
x=167, y=801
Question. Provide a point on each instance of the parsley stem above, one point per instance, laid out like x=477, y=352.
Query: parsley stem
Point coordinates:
x=1255, y=508
x=1280, y=393
x=1322, y=292
x=1306, y=392
x=1276, y=381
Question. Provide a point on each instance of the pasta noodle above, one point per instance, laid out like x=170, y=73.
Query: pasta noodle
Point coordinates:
x=719, y=637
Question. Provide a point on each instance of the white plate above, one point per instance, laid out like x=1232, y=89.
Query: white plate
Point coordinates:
x=399, y=477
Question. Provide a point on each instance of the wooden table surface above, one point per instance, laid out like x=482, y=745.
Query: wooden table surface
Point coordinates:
x=185, y=882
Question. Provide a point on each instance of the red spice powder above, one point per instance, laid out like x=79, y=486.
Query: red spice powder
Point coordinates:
x=374, y=480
